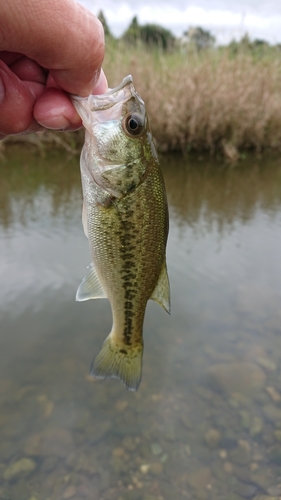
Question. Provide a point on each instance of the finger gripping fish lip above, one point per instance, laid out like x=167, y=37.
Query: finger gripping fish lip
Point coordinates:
x=102, y=102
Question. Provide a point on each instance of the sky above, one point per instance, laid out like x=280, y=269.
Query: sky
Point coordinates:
x=225, y=19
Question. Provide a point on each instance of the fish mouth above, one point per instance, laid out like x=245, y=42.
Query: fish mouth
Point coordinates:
x=100, y=102
x=125, y=81
x=105, y=107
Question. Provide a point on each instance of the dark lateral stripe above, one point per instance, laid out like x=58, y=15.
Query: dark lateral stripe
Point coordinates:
x=128, y=330
x=128, y=273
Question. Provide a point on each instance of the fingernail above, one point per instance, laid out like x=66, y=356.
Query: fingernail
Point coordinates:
x=55, y=119
x=101, y=86
x=55, y=123
x=2, y=90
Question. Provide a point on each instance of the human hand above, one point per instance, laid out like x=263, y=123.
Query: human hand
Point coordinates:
x=48, y=48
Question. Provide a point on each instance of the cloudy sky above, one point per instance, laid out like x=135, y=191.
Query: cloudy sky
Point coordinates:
x=226, y=19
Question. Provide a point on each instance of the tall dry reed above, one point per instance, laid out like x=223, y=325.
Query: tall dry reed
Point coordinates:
x=205, y=101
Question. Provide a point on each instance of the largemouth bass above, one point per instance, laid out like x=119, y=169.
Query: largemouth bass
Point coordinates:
x=125, y=217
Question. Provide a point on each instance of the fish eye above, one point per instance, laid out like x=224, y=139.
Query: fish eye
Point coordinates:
x=133, y=125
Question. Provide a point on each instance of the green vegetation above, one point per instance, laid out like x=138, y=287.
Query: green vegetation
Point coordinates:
x=199, y=97
x=107, y=32
x=151, y=35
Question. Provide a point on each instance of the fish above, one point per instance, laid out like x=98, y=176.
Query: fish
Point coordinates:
x=125, y=217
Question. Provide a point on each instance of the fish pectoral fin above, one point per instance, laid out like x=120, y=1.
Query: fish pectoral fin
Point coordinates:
x=161, y=292
x=91, y=287
x=120, y=361
x=84, y=220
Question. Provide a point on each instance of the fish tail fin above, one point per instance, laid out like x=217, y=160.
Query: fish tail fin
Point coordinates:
x=120, y=361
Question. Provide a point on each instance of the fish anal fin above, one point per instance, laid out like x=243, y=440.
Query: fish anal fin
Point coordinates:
x=119, y=361
x=161, y=292
x=90, y=287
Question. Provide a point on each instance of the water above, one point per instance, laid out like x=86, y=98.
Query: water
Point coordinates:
x=205, y=423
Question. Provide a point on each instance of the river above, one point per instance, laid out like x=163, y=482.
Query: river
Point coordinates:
x=205, y=423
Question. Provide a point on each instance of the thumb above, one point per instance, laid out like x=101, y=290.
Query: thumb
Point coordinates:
x=61, y=36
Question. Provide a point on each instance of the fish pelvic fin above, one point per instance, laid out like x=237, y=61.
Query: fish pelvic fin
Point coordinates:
x=161, y=292
x=119, y=360
x=91, y=287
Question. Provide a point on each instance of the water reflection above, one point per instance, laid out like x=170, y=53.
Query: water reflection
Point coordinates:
x=222, y=194
x=205, y=423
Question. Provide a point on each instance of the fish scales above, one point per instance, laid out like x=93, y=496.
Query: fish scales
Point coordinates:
x=126, y=221
x=124, y=239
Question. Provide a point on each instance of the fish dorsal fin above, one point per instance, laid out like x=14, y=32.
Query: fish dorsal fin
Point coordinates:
x=84, y=219
x=91, y=287
x=161, y=292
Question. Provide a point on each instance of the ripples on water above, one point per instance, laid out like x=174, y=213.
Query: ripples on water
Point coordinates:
x=206, y=421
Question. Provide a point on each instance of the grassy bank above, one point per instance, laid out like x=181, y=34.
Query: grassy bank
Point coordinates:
x=208, y=101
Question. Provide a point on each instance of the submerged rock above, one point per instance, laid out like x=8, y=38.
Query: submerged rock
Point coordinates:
x=22, y=466
x=273, y=414
x=245, y=490
x=69, y=492
x=156, y=468
x=274, y=455
x=57, y=442
x=131, y=495
x=241, y=454
x=274, y=490
x=212, y=438
x=156, y=449
x=274, y=394
x=239, y=377
x=256, y=426
x=266, y=363
x=200, y=478
x=277, y=434
x=257, y=301
x=265, y=497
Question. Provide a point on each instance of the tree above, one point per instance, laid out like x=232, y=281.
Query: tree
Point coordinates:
x=132, y=34
x=199, y=37
x=153, y=34
x=149, y=34
x=101, y=17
